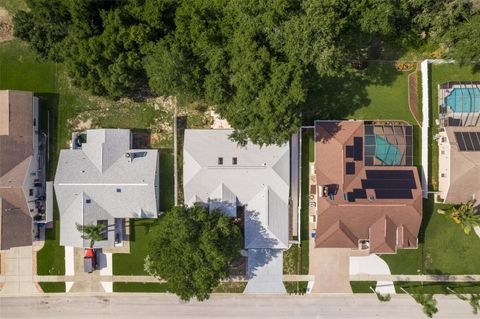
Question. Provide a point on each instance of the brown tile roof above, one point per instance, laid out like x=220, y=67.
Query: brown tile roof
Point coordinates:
x=16, y=148
x=386, y=223
x=464, y=169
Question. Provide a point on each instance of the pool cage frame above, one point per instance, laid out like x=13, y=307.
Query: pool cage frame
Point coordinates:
x=397, y=133
x=465, y=117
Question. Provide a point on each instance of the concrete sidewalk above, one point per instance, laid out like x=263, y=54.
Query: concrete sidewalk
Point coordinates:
x=439, y=278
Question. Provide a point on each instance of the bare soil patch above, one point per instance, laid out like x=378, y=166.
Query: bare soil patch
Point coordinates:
x=6, y=26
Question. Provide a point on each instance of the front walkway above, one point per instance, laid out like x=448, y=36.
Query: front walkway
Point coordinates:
x=372, y=265
x=438, y=278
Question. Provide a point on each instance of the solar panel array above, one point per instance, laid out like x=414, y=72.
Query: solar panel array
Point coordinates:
x=468, y=141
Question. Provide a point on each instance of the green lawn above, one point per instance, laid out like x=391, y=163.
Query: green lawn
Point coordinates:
x=139, y=287
x=230, y=287
x=51, y=258
x=362, y=287
x=296, y=287
x=308, y=153
x=379, y=92
x=438, y=287
x=50, y=287
x=141, y=231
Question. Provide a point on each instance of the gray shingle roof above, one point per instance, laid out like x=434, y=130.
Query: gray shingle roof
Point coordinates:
x=116, y=186
x=260, y=180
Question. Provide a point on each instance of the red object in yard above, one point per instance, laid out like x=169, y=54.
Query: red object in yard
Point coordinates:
x=89, y=262
x=89, y=253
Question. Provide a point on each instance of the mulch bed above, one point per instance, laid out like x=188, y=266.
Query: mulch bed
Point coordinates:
x=412, y=94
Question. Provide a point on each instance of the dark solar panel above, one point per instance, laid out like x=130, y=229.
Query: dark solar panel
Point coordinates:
x=389, y=183
x=359, y=193
x=389, y=174
x=350, y=196
x=349, y=151
x=475, y=141
x=358, y=148
x=468, y=141
x=460, y=142
x=350, y=168
x=393, y=194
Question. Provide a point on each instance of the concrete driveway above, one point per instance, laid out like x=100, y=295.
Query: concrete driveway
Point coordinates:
x=330, y=266
x=18, y=271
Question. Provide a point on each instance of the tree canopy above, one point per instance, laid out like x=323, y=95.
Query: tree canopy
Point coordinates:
x=192, y=249
x=251, y=60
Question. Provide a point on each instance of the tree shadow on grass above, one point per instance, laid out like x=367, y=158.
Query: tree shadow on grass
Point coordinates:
x=332, y=98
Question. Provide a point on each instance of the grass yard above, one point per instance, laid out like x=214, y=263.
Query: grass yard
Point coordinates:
x=437, y=287
x=141, y=231
x=230, y=287
x=296, y=287
x=362, y=287
x=379, y=92
x=139, y=287
x=50, y=287
x=308, y=149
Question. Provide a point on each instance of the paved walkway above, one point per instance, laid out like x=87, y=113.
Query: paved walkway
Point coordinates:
x=107, y=278
x=18, y=275
x=446, y=278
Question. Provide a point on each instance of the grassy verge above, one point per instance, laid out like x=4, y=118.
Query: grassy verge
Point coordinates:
x=308, y=149
x=296, y=287
x=290, y=260
x=362, y=287
x=139, y=287
x=51, y=258
x=437, y=287
x=230, y=287
x=50, y=287
x=166, y=179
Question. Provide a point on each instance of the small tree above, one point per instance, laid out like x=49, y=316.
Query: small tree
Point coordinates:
x=92, y=232
x=428, y=302
x=465, y=215
x=474, y=300
x=381, y=297
x=192, y=249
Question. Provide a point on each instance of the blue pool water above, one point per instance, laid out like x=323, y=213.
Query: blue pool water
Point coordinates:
x=386, y=152
x=464, y=100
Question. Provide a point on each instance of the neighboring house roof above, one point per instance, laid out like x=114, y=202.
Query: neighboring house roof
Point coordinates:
x=16, y=149
x=260, y=180
x=105, y=179
x=464, y=169
x=387, y=223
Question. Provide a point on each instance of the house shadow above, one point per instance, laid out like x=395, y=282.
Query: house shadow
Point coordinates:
x=337, y=98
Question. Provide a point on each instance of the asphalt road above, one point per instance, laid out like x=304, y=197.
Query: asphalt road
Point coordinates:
x=225, y=306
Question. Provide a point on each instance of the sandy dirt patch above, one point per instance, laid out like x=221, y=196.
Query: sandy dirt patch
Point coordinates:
x=6, y=27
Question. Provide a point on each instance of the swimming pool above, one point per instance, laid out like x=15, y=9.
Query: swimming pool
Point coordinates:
x=389, y=154
x=464, y=100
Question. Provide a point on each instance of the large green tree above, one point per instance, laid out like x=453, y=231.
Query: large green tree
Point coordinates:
x=192, y=249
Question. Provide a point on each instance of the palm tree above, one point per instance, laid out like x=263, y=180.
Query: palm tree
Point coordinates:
x=427, y=301
x=475, y=303
x=381, y=297
x=474, y=300
x=92, y=232
x=465, y=215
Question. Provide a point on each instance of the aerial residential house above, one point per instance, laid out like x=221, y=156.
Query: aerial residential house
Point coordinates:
x=102, y=180
x=22, y=168
x=366, y=191
x=251, y=183
x=459, y=142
